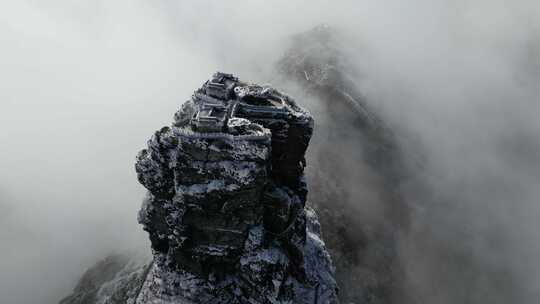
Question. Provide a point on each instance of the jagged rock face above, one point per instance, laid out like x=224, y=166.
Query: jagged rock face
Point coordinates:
x=116, y=279
x=225, y=209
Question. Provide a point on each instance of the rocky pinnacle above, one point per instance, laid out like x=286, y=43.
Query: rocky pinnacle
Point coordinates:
x=226, y=205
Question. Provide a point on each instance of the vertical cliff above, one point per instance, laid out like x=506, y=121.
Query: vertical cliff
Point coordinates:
x=226, y=206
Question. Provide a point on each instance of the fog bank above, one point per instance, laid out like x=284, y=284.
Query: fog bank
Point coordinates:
x=83, y=85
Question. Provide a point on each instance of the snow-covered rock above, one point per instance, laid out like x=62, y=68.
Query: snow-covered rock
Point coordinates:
x=225, y=209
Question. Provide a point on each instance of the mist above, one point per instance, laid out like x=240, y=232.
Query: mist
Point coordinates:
x=83, y=84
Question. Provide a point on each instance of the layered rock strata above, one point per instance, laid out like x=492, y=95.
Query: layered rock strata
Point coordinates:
x=225, y=209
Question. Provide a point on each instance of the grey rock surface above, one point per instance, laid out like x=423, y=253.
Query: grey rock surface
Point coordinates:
x=226, y=206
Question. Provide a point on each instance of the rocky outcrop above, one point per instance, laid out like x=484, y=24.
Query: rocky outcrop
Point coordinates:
x=115, y=279
x=226, y=206
x=226, y=209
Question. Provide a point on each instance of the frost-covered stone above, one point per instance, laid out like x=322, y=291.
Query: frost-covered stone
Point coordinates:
x=225, y=208
x=226, y=205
